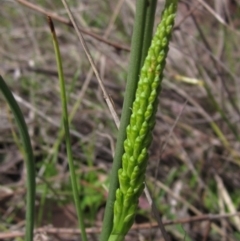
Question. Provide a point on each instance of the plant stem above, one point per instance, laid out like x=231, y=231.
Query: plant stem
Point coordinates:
x=67, y=132
x=132, y=79
x=148, y=29
x=29, y=157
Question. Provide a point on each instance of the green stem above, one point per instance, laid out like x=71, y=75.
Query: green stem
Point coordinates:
x=67, y=132
x=132, y=79
x=31, y=185
x=148, y=29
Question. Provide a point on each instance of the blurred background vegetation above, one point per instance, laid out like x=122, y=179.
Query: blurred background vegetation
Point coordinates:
x=194, y=159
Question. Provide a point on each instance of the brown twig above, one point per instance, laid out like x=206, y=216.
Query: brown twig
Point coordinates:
x=207, y=231
x=61, y=231
x=93, y=65
x=63, y=20
x=189, y=13
x=215, y=63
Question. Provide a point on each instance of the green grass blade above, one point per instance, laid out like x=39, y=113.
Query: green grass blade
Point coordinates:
x=148, y=28
x=67, y=132
x=29, y=157
x=52, y=156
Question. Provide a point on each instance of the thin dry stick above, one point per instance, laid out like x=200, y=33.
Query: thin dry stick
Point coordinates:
x=187, y=204
x=191, y=167
x=187, y=161
x=207, y=232
x=227, y=200
x=146, y=190
x=90, y=59
x=221, y=208
x=217, y=67
x=190, y=12
x=90, y=72
x=217, y=16
x=67, y=22
x=70, y=231
x=31, y=33
x=210, y=10
x=44, y=116
x=156, y=213
x=172, y=128
x=114, y=17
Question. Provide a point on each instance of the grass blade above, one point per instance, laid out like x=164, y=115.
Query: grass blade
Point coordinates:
x=28, y=155
x=67, y=131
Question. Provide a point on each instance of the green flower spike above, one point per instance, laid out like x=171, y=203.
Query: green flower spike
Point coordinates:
x=134, y=160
